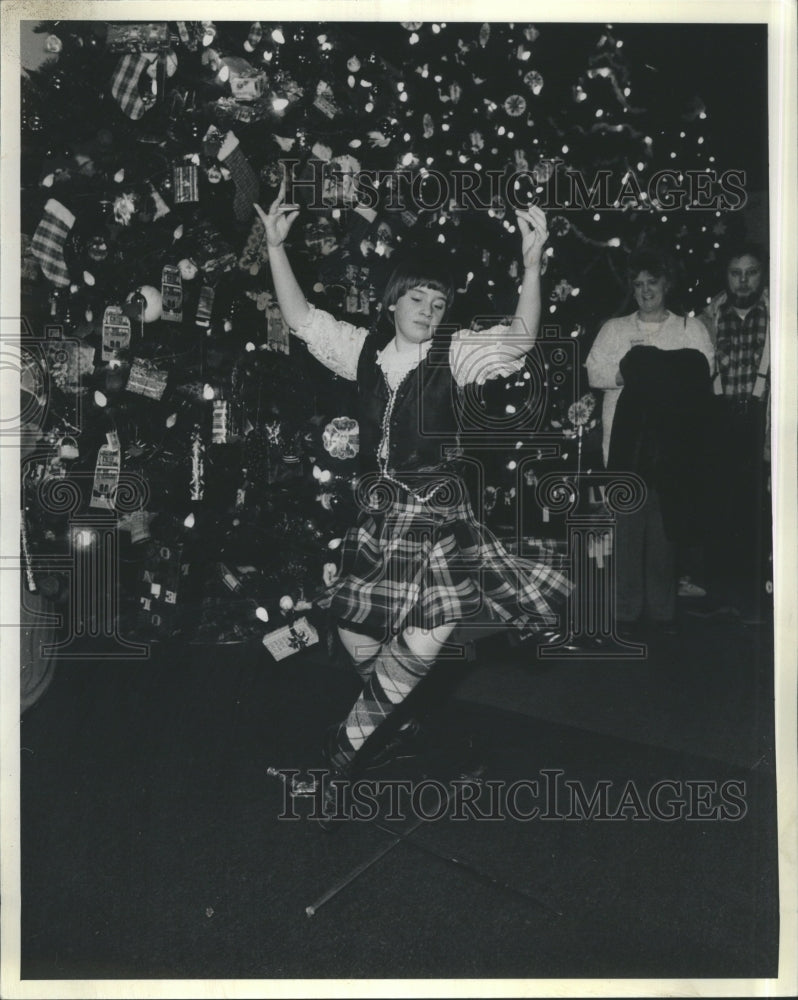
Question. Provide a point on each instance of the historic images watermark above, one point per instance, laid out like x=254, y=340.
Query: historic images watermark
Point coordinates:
x=322, y=184
x=546, y=797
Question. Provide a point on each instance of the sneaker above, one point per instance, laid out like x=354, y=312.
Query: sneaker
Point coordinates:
x=689, y=589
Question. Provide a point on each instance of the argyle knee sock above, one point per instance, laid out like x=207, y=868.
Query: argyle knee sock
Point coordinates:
x=246, y=183
x=48, y=241
x=396, y=672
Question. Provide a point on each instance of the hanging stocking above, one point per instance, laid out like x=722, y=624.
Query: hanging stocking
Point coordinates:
x=48, y=241
x=244, y=178
x=125, y=83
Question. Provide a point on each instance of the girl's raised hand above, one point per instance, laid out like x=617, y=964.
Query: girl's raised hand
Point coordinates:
x=279, y=219
x=534, y=233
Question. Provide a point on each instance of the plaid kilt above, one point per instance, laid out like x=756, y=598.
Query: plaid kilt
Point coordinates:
x=425, y=565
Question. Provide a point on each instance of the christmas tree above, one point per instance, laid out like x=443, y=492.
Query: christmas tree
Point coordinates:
x=167, y=364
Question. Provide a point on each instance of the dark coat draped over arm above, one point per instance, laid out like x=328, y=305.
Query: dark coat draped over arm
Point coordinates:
x=661, y=431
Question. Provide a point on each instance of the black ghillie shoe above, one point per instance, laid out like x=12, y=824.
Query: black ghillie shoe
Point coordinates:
x=398, y=747
x=334, y=810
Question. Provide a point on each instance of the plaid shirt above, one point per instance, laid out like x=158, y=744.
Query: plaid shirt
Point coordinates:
x=739, y=347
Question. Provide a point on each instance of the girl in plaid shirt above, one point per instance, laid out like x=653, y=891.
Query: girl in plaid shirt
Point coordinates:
x=417, y=562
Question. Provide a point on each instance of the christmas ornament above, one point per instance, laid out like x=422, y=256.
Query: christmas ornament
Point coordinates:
x=185, y=183
x=290, y=639
x=204, y=306
x=138, y=524
x=49, y=240
x=131, y=37
x=126, y=206
x=160, y=206
x=579, y=413
x=68, y=363
x=215, y=174
x=221, y=432
x=53, y=44
x=256, y=249
x=338, y=180
x=534, y=81
x=97, y=248
x=106, y=473
x=515, y=105
x=320, y=236
x=146, y=379
x=68, y=448
x=341, y=438
x=543, y=171
x=254, y=37
x=324, y=100
x=164, y=577
x=187, y=269
x=249, y=84
x=197, y=464
x=277, y=329
x=172, y=294
x=115, y=333
x=152, y=307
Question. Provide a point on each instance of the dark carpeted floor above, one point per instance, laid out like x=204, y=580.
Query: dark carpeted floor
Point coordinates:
x=151, y=844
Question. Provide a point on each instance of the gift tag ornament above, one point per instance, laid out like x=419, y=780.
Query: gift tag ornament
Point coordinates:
x=171, y=294
x=205, y=306
x=115, y=333
x=106, y=473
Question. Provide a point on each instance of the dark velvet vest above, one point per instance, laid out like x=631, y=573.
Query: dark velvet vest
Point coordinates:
x=424, y=417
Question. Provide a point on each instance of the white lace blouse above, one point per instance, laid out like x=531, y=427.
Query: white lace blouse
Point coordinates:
x=474, y=355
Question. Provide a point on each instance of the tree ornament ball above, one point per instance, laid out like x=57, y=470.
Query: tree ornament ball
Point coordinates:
x=151, y=308
x=53, y=44
x=286, y=603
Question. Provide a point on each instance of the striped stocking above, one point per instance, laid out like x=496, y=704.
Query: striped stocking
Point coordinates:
x=244, y=177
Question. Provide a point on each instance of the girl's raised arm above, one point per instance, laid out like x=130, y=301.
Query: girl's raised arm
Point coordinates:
x=290, y=297
x=534, y=234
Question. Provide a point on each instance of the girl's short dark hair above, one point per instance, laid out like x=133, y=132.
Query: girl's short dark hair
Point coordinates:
x=412, y=272
x=653, y=260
